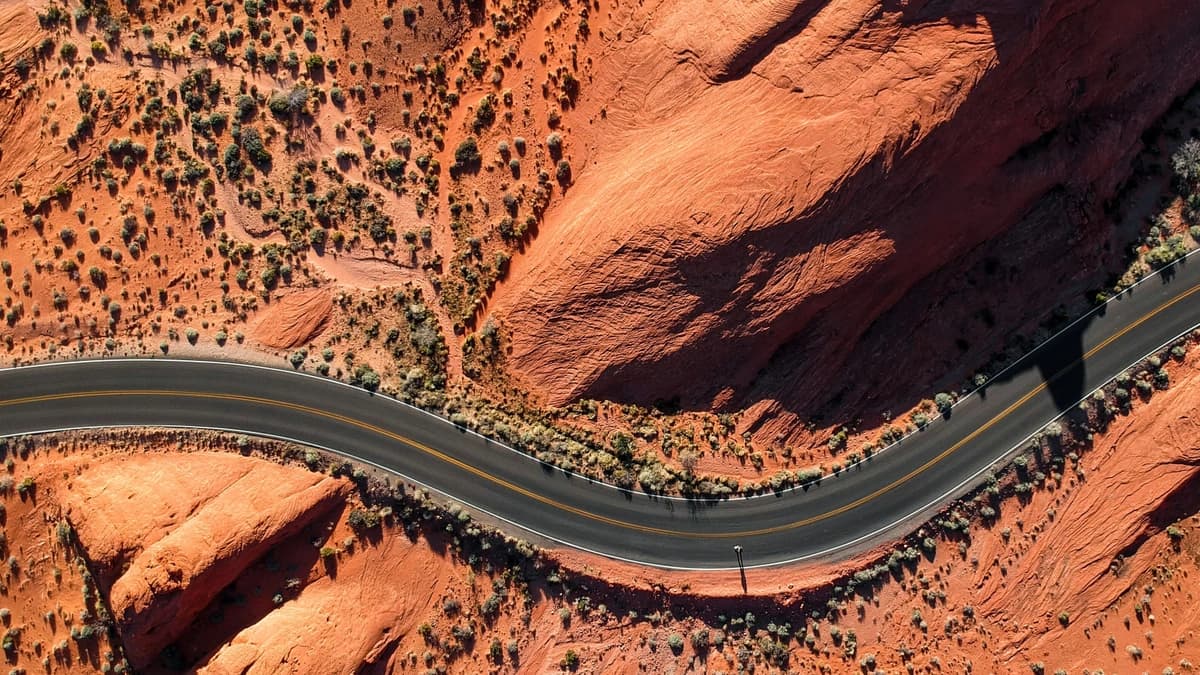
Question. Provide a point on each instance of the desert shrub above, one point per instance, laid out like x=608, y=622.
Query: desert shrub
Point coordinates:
x=234, y=165
x=675, y=642
x=1167, y=252
x=366, y=378
x=26, y=486
x=485, y=113
x=944, y=402
x=292, y=102
x=466, y=155
x=491, y=606
x=246, y=107
x=361, y=519
x=1186, y=165
x=253, y=144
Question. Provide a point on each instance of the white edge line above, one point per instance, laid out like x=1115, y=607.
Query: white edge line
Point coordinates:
x=942, y=500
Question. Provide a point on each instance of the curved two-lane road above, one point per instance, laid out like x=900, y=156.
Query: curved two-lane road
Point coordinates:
x=872, y=500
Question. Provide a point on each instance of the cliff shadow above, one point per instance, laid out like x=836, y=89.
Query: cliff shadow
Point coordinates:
x=275, y=578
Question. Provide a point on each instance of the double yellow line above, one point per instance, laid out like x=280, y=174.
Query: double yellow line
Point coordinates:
x=433, y=452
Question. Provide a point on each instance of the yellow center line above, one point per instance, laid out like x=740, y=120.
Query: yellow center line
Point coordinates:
x=593, y=516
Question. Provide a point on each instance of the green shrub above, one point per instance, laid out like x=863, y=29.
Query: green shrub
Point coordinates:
x=1167, y=252
x=26, y=486
x=361, y=520
x=253, y=144
x=234, y=165
x=1186, y=165
x=466, y=155
x=293, y=102
x=944, y=402
x=675, y=642
x=366, y=378
x=485, y=113
x=491, y=606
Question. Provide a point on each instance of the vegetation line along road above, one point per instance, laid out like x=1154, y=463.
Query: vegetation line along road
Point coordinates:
x=839, y=511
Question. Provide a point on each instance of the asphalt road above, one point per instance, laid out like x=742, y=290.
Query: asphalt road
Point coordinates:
x=879, y=498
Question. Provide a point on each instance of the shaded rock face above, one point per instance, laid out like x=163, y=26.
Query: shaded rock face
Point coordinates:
x=168, y=533
x=771, y=186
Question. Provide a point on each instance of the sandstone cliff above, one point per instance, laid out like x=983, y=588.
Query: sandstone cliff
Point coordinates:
x=765, y=186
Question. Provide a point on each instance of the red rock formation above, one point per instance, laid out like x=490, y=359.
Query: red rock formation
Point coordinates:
x=170, y=532
x=779, y=179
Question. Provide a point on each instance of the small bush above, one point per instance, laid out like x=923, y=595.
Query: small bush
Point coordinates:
x=1186, y=165
x=675, y=642
x=286, y=104
x=466, y=156
x=361, y=520
x=26, y=486
x=366, y=378
x=944, y=402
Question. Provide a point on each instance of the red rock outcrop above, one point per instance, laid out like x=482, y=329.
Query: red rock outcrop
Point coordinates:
x=778, y=179
x=169, y=532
